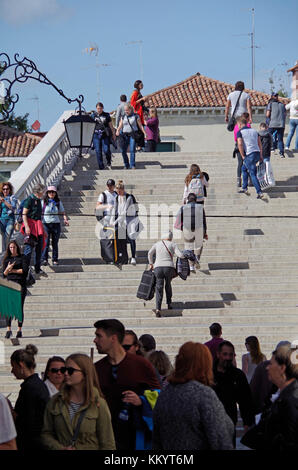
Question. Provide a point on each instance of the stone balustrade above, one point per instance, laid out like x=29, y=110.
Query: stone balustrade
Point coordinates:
x=49, y=161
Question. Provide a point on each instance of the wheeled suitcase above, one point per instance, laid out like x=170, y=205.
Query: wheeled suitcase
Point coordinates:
x=146, y=288
x=113, y=250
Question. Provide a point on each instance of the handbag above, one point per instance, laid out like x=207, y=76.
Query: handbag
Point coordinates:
x=232, y=120
x=30, y=279
x=175, y=274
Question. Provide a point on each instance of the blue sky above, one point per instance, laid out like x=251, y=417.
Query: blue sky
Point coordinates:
x=179, y=38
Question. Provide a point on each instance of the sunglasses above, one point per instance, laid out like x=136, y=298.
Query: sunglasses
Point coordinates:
x=70, y=370
x=54, y=370
x=5, y=189
x=127, y=346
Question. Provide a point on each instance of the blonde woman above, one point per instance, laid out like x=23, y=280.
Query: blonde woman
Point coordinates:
x=196, y=182
x=131, y=129
x=152, y=130
x=126, y=217
x=254, y=357
x=78, y=417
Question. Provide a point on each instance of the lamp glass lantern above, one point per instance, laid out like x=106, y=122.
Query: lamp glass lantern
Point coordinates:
x=80, y=130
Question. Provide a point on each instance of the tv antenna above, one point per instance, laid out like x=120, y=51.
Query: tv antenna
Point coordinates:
x=252, y=46
x=35, y=98
x=140, y=43
x=93, y=49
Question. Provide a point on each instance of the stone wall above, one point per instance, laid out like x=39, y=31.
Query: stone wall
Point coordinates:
x=193, y=131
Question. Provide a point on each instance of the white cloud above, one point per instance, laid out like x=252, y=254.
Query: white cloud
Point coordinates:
x=27, y=11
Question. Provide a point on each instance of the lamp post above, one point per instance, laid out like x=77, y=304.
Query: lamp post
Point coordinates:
x=79, y=127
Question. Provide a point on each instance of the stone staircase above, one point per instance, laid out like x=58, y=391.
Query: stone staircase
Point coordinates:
x=248, y=279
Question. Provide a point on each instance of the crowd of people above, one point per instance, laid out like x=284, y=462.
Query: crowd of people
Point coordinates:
x=137, y=128
x=133, y=398
x=251, y=146
x=38, y=220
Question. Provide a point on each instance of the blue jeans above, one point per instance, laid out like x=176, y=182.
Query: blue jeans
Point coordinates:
x=53, y=230
x=280, y=137
x=129, y=140
x=249, y=167
x=38, y=249
x=102, y=144
x=6, y=228
x=293, y=124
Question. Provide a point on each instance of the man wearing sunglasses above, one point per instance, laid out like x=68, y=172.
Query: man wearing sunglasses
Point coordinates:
x=124, y=378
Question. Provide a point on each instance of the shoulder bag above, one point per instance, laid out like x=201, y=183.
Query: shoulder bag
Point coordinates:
x=232, y=121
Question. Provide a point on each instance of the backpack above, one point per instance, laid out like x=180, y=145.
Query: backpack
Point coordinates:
x=196, y=187
x=100, y=216
x=20, y=211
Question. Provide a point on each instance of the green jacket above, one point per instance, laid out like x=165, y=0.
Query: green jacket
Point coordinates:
x=96, y=432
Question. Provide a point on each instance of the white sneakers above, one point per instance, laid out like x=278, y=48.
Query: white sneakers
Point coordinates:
x=133, y=261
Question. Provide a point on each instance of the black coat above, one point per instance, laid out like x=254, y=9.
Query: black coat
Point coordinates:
x=231, y=388
x=280, y=423
x=29, y=408
x=266, y=139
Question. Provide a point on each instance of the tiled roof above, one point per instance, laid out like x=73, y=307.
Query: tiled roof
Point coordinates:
x=14, y=143
x=200, y=91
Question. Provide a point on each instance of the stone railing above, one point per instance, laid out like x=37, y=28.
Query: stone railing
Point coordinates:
x=50, y=160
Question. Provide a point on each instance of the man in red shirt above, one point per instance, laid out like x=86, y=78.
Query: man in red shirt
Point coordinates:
x=123, y=377
x=216, y=332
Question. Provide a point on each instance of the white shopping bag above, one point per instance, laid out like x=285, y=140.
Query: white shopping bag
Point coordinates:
x=265, y=175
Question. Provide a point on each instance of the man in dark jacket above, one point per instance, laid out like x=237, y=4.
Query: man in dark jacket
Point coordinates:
x=231, y=386
x=266, y=140
x=123, y=378
x=276, y=113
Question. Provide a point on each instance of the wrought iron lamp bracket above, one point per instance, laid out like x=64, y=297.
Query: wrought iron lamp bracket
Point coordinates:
x=22, y=70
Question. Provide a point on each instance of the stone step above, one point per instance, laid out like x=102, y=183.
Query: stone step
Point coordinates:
x=94, y=265
x=193, y=280
x=98, y=303
x=187, y=287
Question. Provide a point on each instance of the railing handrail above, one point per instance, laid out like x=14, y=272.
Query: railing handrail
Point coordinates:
x=22, y=177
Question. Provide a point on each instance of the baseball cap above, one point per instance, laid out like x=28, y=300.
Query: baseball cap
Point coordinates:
x=111, y=182
x=52, y=188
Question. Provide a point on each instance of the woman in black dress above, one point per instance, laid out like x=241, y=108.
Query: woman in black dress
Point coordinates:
x=15, y=268
x=31, y=402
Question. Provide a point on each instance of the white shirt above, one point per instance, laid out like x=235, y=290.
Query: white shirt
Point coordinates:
x=7, y=427
x=293, y=107
x=110, y=200
x=51, y=387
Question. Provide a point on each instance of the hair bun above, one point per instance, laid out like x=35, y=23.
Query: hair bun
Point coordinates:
x=31, y=349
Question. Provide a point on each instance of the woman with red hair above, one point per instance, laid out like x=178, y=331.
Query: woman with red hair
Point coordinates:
x=188, y=415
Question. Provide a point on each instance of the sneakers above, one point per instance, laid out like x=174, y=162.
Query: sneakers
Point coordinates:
x=157, y=313
x=287, y=148
x=282, y=155
x=192, y=269
x=133, y=261
x=41, y=273
x=44, y=262
x=260, y=196
x=244, y=191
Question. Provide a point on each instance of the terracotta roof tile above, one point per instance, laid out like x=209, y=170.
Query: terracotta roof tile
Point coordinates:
x=14, y=143
x=200, y=91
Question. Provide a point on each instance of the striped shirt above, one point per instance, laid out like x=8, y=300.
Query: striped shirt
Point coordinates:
x=73, y=408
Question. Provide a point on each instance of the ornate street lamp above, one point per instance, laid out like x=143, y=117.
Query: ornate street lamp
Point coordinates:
x=79, y=127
